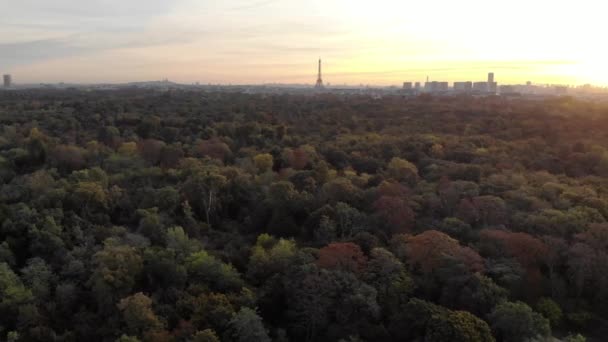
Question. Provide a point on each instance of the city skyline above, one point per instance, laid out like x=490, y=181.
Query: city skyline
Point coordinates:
x=256, y=42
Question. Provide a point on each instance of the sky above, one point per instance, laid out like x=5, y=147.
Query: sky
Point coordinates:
x=380, y=42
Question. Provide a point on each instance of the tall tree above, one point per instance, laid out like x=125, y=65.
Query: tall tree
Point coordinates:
x=518, y=322
x=247, y=326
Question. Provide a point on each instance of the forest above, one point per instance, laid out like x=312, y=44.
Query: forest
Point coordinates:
x=140, y=215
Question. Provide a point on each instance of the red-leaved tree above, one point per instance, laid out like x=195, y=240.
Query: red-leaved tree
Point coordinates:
x=345, y=256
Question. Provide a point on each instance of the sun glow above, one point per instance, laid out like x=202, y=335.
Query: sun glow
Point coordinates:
x=552, y=40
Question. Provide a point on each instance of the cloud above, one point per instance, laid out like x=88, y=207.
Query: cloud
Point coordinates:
x=23, y=20
x=91, y=8
x=33, y=51
x=23, y=53
x=254, y=5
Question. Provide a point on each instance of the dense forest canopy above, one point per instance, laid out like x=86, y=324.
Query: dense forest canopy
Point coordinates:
x=138, y=215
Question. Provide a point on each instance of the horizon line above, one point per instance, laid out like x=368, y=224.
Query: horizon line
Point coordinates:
x=327, y=84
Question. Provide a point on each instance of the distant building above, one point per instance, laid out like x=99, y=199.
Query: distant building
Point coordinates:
x=492, y=85
x=8, y=80
x=480, y=87
x=561, y=90
x=463, y=87
x=508, y=90
x=492, y=88
x=436, y=87
x=407, y=86
x=417, y=86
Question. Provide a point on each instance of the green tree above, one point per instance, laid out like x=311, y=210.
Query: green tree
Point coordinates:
x=270, y=256
x=205, y=268
x=575, y=338
x=212, y=310
x=411, y=321
x=263, y=162
x=349, y=221
x=475, y=293
x=180, y=242
x=138, y=315
x=206, y=335
x=39, y=277
x=516, y=321
x=390, y=279
x=550, y=310
x=116, y=271
x=128, y=149
x=12, y=336
x=90, y=196
x=458, y=326
x=402, y=170
x=203, y=191
x=14, y=296
x=151, y=226
x=246, y=326
x=109, y=135
x=164, y=269
x=318, y=297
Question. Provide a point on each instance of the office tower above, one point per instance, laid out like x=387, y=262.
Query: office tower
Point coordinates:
x=436, y=87
x=492, y=85
x=463, y=87
x=8, y=80
x=407, y=86
x=481, y=87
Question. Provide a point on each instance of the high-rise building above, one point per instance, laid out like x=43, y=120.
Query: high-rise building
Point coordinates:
x=481, y=87
x=492, y=85
x=493, y=88
x=407, y=86
x=319, y=84
x=8, y=80
x=508, y=90
x=561, y=90
x=463, y=87
x=436, y=87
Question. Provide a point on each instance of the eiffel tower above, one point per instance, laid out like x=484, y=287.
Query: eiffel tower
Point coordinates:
x=319, y=84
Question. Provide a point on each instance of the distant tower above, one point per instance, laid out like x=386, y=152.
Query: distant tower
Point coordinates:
x=7, y=81
x=319, y=84
x=492, y=85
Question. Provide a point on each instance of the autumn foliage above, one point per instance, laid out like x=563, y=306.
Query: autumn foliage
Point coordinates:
x=429, y=249
x=198, y=214
x=342, y=256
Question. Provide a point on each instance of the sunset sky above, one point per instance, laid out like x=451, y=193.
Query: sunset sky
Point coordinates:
x=262, y=41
